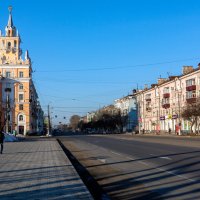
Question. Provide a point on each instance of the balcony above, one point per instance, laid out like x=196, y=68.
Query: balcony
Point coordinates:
x=148, y=99
x=191, y=100
x=148, y=109
x=166, y=105
x=14, y=50
x=191, y=87
x=8, y=50
x=166, y=95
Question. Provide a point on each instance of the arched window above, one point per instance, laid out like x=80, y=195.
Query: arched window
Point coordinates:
x=9, y=44
x=21, y=118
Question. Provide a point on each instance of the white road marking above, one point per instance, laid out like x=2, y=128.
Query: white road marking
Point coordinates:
x=102, y=160
x=152, y=154
x=129, y=158
x=116, y=153
x=170, y=172
x=167, y=158
x=181, y=176
x=143, y=163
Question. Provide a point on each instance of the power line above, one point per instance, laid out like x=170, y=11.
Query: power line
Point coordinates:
x=71, y=107
x=117, y=67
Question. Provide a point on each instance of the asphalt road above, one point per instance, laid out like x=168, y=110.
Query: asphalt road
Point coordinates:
x=129, y=167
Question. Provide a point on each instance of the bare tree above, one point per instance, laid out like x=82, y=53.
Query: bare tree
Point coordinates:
x=192, y=113
x=74, y=121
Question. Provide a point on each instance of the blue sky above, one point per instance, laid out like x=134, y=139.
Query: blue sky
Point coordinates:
x=86, y=53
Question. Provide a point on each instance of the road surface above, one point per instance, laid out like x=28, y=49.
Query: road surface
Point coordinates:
x=131, y=167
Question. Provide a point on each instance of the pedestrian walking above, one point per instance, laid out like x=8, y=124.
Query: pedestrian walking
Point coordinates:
x=2, y=137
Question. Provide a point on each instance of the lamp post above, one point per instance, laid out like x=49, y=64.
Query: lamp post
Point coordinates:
x=7, y=117
x=179, y=112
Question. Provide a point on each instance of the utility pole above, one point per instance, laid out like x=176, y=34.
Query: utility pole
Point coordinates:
x=179, y=113
x=49, y=122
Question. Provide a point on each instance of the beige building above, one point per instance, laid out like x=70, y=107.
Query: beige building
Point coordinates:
x=19, y=99
x=160, y=107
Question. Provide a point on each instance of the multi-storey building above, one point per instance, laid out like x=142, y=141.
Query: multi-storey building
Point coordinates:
x=19, y=99
x=90, y=116
x=160, y=107
x=128, y=109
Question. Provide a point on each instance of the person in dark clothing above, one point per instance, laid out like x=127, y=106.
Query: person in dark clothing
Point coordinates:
x=143, y=131
x=1, y=140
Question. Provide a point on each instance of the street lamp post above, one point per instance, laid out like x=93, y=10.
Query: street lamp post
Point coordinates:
x=7, y=117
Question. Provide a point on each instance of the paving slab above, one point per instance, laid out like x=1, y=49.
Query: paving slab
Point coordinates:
x=38, y=169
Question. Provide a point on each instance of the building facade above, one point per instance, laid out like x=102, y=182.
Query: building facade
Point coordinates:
x=19, y=99
x=160, y=107
x=128, y=109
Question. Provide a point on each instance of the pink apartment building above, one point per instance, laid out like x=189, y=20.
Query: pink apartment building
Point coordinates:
x=160, y=107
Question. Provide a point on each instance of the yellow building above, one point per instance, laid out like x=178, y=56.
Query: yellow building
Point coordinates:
x=19, y=99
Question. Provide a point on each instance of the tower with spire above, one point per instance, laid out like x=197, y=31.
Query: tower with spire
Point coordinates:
x=10, y=28
x=16, y=77
x=10, y=51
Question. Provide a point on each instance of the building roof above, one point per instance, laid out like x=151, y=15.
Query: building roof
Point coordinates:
x=170, y=78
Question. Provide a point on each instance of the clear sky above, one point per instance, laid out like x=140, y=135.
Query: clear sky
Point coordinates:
x=87, y=53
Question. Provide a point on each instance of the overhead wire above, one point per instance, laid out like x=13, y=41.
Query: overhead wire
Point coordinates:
x=116, y=67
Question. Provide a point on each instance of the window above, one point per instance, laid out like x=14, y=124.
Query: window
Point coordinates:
x=165, y=101
x=191, y=94
x=148, y=96
x=21, y=118
x=190, y=82
x=21, y=107
x=8, y=85
x=21, y=87
x=166, y=90
x=15, y=43
x=8, y=74
x=21, y=74
x=9, y=45
x=21, y=97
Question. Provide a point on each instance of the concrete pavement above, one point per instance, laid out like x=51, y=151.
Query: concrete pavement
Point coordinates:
x=38, y=169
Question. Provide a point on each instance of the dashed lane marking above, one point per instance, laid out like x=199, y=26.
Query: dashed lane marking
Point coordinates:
x=143, y=163
x=181, y=176
x=167, y=158
x=170, y=172
x=116, y=153
x=102, y=160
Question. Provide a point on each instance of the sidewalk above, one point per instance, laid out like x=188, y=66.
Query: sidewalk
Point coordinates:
x=38, y=169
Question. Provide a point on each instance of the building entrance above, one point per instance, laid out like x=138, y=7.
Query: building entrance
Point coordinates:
x=21, y=130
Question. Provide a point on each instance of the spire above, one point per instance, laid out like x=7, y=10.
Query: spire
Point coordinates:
x=27, y=55
x=10, y=28
x=27, y=58
x=10, y=21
